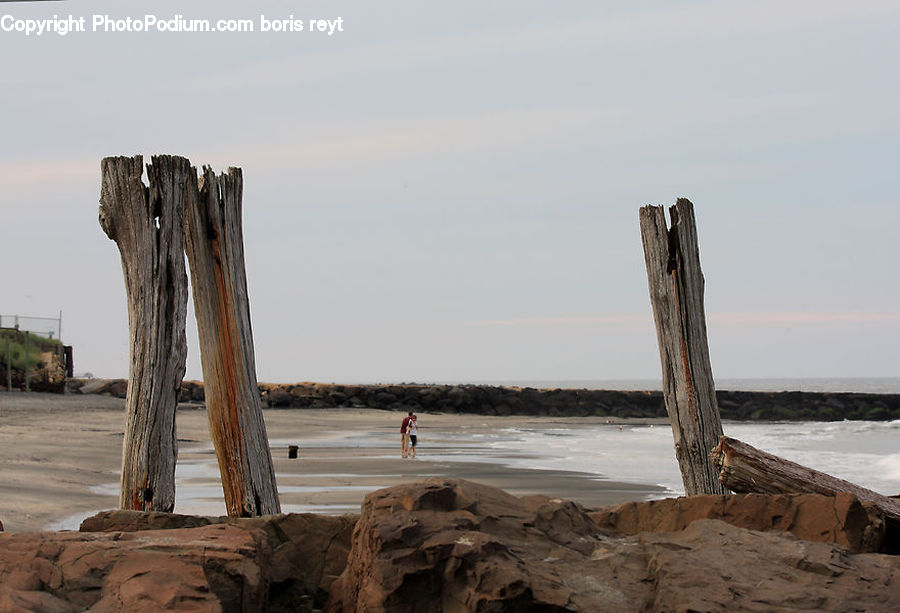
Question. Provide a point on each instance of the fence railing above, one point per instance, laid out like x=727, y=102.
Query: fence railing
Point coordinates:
x=49, y=327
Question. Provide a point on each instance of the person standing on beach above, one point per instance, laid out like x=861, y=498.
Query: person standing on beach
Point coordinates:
x=413, y=430
x=404, y=434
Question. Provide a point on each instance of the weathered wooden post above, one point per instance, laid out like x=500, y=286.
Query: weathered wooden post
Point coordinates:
x=8, y=366
x=215, y=249
x=27, y=363
x=147, y=225
x=676, y=291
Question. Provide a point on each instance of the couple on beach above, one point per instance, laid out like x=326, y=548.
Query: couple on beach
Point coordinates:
x=409, y=434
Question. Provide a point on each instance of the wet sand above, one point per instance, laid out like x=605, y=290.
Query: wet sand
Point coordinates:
x=60, y=458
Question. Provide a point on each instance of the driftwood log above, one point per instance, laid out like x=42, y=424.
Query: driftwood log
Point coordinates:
x=745, y=469
x=147, y=225
x=676, y=285
x=215, y=250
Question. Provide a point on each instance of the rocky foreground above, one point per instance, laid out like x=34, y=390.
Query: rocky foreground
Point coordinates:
x=454, y=545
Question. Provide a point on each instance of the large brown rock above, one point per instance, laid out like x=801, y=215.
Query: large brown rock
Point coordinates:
x=840, y=519
x=444, y=546
x=450, y=546
x=211, y=568
x=136, y=521
x=305, y=552
x=134, y=561
x=713, y=566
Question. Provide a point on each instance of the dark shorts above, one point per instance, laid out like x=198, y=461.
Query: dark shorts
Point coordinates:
x=412, y=439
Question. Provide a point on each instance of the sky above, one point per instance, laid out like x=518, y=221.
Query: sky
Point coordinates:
x=450, y=191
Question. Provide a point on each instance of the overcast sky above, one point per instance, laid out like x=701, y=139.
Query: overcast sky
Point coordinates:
x=450, y=191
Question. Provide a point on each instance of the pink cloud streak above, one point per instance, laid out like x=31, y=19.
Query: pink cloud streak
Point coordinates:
x=801, y=318
x=733, y=318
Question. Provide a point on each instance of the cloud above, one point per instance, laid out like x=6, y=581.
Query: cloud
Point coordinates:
x=485, y=132
x=733, y=318
x=692, y=21
x=636, y=126
x=736, y=318
x=52, y=175
x=488, y=132
x=564, y=321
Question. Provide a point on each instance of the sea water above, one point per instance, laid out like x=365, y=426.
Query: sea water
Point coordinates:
x=862, y=452
x=866, y=453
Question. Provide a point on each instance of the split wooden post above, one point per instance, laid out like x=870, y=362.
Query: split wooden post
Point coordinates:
x=147, y=225
x=746, y=469
x=215, y=250
x=676, y=284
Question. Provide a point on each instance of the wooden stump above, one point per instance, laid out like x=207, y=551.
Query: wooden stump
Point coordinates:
x=147, y=225
x=215, y=252
x=676, y=292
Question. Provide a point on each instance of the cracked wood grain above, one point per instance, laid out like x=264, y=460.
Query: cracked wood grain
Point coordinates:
x=215, y=250
x=676, y=283
x=146, y=223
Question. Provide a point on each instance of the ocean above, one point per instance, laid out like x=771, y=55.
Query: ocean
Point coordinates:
x=863, y=452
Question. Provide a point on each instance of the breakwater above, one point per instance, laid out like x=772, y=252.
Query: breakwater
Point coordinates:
x=493, y=400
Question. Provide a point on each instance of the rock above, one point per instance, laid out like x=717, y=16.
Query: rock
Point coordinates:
x=28, y=600
x=214, y=567
x=453, y=545
x=117, y=388
x=383, y=399
x=491, y=400
x=191, y=391
x=458, y=545
x=713, y=566
x=450, y=545
x=278, y=397
x=135, y=521
x=73, y=386
x=95, y=386
x=305, y=552
x=309, y=552
x=840, y=519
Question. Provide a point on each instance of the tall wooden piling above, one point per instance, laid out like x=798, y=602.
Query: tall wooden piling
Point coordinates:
x=8, y=366
x=147, y=226
x=215, y=249
x=676, y=285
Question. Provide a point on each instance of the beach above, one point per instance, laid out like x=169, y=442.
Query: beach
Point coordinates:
x=60, y=457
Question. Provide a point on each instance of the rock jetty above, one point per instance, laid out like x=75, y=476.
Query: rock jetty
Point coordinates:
x=494, y=400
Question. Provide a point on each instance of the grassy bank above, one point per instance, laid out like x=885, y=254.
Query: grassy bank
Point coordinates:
x=22, y=350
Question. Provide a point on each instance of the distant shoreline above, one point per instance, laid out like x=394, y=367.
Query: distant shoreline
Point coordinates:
x=862, y=385
x=530, y=401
